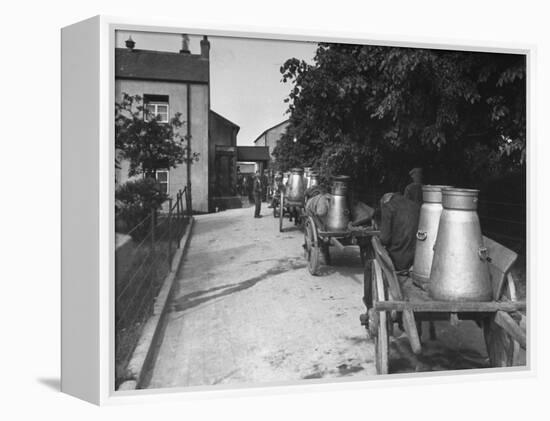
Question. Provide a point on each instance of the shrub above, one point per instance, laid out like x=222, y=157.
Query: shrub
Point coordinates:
x=134, y=201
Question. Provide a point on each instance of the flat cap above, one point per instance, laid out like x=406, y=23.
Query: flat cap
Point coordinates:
x=417, y=170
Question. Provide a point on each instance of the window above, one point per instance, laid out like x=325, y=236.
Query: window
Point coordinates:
x=162, y=179
x=156, y=106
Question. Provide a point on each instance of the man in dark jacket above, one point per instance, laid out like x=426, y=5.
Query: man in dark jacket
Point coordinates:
x=398, y=226
x=414, y=190
x=257, y=189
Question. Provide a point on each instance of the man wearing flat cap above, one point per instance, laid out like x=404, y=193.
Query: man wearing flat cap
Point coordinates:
x=414, y=190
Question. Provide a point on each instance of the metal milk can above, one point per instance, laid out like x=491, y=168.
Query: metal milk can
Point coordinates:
x=427, y=231
x=338, y=215
x=296, y=186
x=286, y=176
x=460, y=270
x=313, y=179
x=307, y=172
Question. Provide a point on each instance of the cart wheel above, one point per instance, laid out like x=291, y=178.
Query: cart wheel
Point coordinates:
x=368, y=275
x=312, y=247
x=502, y=349
x=281, y=211
x=381, y=338
x=366, y=253
x=325, y=249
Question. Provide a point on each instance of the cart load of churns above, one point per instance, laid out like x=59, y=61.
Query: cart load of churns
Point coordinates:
x=456, y=274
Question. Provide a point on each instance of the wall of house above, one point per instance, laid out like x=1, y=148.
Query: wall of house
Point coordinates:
x=260, y=141
x=272, y=137
x=221, y=134
x=177, y=93
x=200, y=107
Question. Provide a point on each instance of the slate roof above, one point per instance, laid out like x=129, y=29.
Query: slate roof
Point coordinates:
x=215, y=115
x=161, y=66
x=271, y=128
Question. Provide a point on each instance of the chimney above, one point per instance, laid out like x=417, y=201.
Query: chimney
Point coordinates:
x=184, y=44
x=130, y=43
x=205, y=47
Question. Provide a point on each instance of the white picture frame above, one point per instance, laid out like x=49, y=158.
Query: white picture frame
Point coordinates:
x=88, y=206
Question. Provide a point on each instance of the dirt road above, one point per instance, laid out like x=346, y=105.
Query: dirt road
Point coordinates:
x=246, y=310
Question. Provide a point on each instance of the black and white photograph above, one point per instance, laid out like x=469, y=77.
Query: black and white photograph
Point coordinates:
x=301, y=212
x=275, y=210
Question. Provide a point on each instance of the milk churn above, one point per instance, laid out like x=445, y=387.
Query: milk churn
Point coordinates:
x=427, y=231
x=313, y=179
x=286, y=176
x=307, y=172
x=338, y=214
x=296, y=186
x=460, y=270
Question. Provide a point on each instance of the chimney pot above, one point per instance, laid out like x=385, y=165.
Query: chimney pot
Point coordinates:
x=130, y=43
x=205, y=47
x=184, y=44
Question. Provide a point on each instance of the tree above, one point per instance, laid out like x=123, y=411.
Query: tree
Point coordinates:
x=144, y=141
x=374, y=112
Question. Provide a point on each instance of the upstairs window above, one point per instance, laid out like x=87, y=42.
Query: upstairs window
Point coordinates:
x=163, y=178
x=156, y=106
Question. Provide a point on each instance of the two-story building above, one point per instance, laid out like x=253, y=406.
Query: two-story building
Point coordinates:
x=171, y=83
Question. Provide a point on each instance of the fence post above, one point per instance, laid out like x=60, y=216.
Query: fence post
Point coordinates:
x=178, y=204
x=170, y=231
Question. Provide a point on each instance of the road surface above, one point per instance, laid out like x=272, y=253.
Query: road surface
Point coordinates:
x=247, y=311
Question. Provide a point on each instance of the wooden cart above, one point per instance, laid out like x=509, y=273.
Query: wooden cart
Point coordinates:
x=388, y=300
x=318, y=239
x=291, y=209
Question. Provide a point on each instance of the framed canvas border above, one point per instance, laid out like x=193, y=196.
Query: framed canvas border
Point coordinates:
x=103, y=174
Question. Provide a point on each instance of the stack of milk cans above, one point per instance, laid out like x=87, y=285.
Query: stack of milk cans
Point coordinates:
x=451, y=261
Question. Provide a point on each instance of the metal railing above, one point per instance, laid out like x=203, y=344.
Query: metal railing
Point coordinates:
x=140, y=273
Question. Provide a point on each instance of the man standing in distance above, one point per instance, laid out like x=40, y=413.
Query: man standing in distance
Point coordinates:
x=257, y=191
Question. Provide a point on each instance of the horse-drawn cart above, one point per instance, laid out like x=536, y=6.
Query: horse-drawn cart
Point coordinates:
x=291, y=199
x=391, y=298
x=291, y=209
x=318, y=240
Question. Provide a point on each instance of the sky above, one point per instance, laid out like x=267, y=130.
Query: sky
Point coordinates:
x=245, y=78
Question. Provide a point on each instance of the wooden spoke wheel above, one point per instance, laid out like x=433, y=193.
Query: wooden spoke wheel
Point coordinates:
x=366, y=253
x=312, y=249
x=502, y=349
x=380, y=322
x=325, y=249
x=281, y=211
x=368, y=276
